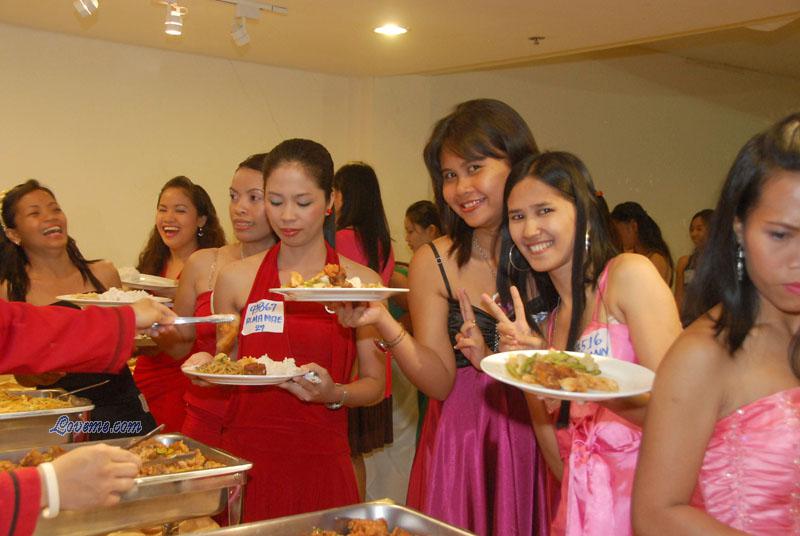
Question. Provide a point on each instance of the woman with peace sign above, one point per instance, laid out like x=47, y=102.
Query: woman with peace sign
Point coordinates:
x=558, y=241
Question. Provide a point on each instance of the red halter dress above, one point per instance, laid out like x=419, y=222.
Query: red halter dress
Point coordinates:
x=299, y=450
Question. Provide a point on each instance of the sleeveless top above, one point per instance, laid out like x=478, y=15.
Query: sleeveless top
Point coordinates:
x=300, y=452
x=599, y=447
x=750, y=477
x=484, y=321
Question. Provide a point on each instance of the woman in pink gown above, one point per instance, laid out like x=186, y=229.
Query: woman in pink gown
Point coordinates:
x=598, y=302
x=721, y=450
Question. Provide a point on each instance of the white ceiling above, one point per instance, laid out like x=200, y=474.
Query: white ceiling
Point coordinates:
x=335, y=36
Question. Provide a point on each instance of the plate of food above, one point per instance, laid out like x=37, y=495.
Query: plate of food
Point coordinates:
x=111, y=298
x=569, y=375
x=222, y=370
x=133, y=279
x=333, y=285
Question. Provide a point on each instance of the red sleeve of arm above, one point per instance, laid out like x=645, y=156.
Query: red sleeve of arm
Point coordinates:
x=20, y=493
x=39, y=339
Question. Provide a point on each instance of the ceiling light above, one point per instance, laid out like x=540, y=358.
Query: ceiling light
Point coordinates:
x=173, y=24
x=390, y=29
x=239, y=32
x=85, y=7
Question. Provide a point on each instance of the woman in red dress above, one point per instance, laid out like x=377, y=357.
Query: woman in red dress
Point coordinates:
x=295, y=434
x=206, y=406
x=185, y=221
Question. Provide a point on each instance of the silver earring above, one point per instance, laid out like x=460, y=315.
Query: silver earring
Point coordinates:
x=587, y=242
x=200, y=232
x=511, y=260
x=740, y=262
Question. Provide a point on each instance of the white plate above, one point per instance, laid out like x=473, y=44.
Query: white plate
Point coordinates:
x=78, y=299
x=240, y=379
x=337, y=294
x=150, y=282
x=632, y=379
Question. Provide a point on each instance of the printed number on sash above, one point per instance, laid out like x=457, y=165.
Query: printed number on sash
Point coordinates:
x=596, y=342
x=264, y=316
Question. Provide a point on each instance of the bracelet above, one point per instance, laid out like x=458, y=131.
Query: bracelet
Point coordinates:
x=51, y=482
x=384, y=345
x=340, y=403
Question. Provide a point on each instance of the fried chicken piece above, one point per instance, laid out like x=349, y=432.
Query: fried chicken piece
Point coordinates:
x=550, y=375
x=295, y=280
x=6, y=465
x=226, y=335
x=336, y=275
x=368, y=527
x=401, y=532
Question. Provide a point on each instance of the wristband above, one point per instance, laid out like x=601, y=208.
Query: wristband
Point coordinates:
x=51, y=483
x=339, y=404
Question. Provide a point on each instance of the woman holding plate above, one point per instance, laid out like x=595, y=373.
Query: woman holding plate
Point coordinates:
x=185, y=221
x=721, y=449
x=205, y=406
x=41, y=262
x=476, y=465
x=558, y=239
x=296, y=434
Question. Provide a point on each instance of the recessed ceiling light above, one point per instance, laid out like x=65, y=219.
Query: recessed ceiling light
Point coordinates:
x=390, y=29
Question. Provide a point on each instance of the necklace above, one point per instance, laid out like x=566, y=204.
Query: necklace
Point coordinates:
x=485, y=256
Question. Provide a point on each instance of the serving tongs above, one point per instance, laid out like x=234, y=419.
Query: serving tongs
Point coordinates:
x=163, y=460
x=211, y=319
x=136, y=440
x=86, y=388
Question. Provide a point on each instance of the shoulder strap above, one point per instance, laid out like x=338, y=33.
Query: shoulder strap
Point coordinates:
x=213, y=270
x=602, y=283
x=441, y=269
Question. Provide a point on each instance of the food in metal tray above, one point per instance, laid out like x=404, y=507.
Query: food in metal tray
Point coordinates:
x=10, y=403
x=365, y=527
x=155, y=458
x=559, y=370
x=260, y=366
x=332, y=276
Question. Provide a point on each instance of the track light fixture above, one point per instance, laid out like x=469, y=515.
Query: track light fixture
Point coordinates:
x=173, y=24
x=239, y=31
x=85, y=7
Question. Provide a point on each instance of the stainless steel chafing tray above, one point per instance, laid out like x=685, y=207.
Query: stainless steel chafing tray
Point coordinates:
x=157, y=499
x=32, y=428
x=333, y=519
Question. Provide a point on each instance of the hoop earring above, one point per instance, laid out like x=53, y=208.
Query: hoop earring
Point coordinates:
x=587, y=243
x=511, y=260
x=200, y=232
x=739, y=263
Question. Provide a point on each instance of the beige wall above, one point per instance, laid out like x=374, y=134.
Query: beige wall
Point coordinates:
x=106, y=125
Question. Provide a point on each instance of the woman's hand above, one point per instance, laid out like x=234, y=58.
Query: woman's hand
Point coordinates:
x=149, y=312
x=516, y=334
x=34, y=380
x=359, y=314
x=469, y=338
x=323, y=391
x=196, y=360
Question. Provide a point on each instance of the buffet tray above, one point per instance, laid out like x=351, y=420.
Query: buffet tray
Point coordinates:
x=32, y=428
x=302, y=524
x=157, y=499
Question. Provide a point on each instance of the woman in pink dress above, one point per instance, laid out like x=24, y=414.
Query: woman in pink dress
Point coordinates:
x=721, y=450
x=598, y=302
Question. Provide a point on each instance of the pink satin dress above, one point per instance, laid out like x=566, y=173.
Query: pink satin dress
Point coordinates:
x=750, y=478
x=599, y=448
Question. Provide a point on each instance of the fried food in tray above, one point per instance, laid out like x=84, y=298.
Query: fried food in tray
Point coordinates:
x=11, y=403
x=560, y=371
x=149, y=451
x=365, y=527
x=332, y=276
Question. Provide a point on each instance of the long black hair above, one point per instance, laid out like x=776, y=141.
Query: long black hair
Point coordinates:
x=716, y=281
x=362, y=209
x=481, y=128
x=13, y=269
x=424, y=213
x=153, y=258
x=316, y=161
x=649, y=233
x=568, y=175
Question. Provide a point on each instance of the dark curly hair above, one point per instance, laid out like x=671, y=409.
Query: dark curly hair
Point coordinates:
x=154, y=256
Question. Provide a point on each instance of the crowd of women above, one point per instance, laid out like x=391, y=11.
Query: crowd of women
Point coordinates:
x=519, y=251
